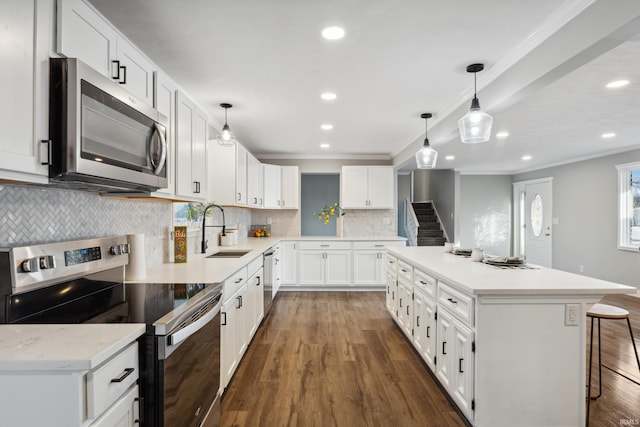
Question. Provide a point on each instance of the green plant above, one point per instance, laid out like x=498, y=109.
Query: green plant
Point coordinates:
x=328, y=211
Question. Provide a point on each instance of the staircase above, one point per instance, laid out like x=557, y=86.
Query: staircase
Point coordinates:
x=430, y=232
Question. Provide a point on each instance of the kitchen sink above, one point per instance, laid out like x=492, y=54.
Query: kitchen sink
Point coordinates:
x=228, y=254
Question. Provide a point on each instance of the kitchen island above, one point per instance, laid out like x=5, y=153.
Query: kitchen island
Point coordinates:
x=509, y=345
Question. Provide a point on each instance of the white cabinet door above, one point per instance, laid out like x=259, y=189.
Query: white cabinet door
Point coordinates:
x=290, y=185
x=124, y=413
x=136, y=69
x=381, y=187
x=254, y=303
x=354, y=187
x=272, y=184
x=289, y=263
x=241, y=175
x=338, y=267
x=424, y=335
x=24, y=84
x=401, y=304
x=368, y=267
x=311, y=267
x=462, y=371
x=165, y=103
x=85, y=34
x=255, y=187
x=191, y=131
x=445, y=354
x=392, y=293
x=228, y=353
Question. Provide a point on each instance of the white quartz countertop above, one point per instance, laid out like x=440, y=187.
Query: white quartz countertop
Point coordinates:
x=200, y=269
x=482, y=279
x=63, y=347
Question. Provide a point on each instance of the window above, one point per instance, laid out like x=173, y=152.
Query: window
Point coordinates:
x=629, y=217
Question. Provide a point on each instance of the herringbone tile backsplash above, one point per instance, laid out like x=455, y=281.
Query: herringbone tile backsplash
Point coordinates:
x=30, y=215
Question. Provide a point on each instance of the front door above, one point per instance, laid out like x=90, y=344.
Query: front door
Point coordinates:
x=536, y=223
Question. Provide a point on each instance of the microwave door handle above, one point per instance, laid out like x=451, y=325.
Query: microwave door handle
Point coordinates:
x=163, y=154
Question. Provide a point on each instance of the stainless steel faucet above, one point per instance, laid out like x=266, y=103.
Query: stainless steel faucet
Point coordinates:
x=204, y=225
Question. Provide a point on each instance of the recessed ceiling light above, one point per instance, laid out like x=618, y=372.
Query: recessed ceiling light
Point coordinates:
x=608, y=134
x=326, y=126
x=333, y=33
x=617, y=83
x=325, y=146
x=502, y=134
x=525, y=158
x=328, y=96
x=450, y=157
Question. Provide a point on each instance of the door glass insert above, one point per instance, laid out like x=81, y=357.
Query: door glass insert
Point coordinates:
x=536, y=216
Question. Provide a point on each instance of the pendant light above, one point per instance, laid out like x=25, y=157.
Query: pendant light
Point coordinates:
x=426, y=157
x=226, y=138
x=475, y=126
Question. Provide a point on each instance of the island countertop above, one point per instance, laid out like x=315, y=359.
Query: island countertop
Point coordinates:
x=482, y=279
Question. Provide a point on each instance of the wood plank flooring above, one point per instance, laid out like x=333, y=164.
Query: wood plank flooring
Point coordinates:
x=620, y=400
x=338, y=359
x=333, y=359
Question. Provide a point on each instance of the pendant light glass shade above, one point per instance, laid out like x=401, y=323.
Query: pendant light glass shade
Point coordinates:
x=226, y=138
x=475, y=126
x=426, y=157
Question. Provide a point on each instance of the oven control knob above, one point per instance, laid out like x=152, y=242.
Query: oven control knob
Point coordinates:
x=119, y=249
x=47, y=261
x=30, y=265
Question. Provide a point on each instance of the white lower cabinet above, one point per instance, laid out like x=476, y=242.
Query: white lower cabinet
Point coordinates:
x=424, y=329
x=324, y=263
x=405, y=306
x=255, y=299
x=288, y=263
x=124, y=413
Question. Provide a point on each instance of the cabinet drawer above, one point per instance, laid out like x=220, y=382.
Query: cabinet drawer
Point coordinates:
x=459, y=304
x=372, y=245
x=254, y=266
x=405, y=271
x=234, y=282
x=325, y=245
x=425, y=282
x=392, y=265
x=107, y=383
x=125, y=412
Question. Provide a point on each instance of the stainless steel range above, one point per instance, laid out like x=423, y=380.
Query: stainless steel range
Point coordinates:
x=83, y=282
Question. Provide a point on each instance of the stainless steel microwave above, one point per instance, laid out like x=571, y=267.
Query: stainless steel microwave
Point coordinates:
x=102, y=137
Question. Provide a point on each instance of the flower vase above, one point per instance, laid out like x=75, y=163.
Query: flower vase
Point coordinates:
x=339, y=226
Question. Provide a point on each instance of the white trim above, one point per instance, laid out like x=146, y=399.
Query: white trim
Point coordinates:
x=534, y=181
x=518, y=188
x=290, y=156
x=624, y=237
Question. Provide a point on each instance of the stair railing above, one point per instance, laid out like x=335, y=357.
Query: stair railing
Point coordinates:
x=411, y=223
x=444, y=231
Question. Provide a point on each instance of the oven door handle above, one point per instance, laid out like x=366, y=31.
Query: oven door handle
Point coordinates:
x=184, y=333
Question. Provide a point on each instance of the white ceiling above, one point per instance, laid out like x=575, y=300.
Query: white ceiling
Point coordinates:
x=546, y=66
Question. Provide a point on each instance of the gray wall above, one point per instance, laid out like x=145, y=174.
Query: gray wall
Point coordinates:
x=318, y=190
x=442, y=192
x=421, y=185
x=404, y=192
x=585, y=204
x=485, y=213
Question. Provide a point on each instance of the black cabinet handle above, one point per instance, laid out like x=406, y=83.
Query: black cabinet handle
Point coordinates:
x=239, y=298
x=393, y=294
x=224, y=322
x=460, y=366
x=400, y=302
x=418, y=321
x=443, y=344
x=117, y=64
x=127, y=372
x=407, y=310
x=258, y=284
x=423, y=282
x=239, y=280
x=124, y=75
x=452, y=301
x=140, y=401
x=428, y=328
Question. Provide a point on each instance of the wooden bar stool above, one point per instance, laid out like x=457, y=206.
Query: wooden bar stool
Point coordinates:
x=604, y=311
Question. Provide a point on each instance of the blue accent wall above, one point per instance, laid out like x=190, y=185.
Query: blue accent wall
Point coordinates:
x=318, y=190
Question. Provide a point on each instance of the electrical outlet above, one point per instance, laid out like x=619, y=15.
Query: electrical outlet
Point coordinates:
x=571, y=314
x=581, y=268
x=269, y=220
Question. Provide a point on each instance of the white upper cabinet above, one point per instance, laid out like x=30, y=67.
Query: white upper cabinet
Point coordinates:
x=255, y=185
x=165, y=103
x=191, y=152
x=272, y=186
x=85, y=34
x=290, y=186
x=227, y=171
x=367, y=187
x=24, y=84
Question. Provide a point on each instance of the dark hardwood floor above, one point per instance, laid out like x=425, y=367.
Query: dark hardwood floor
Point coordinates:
x=333, y=359
x=620, y=400
x=338, y=359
